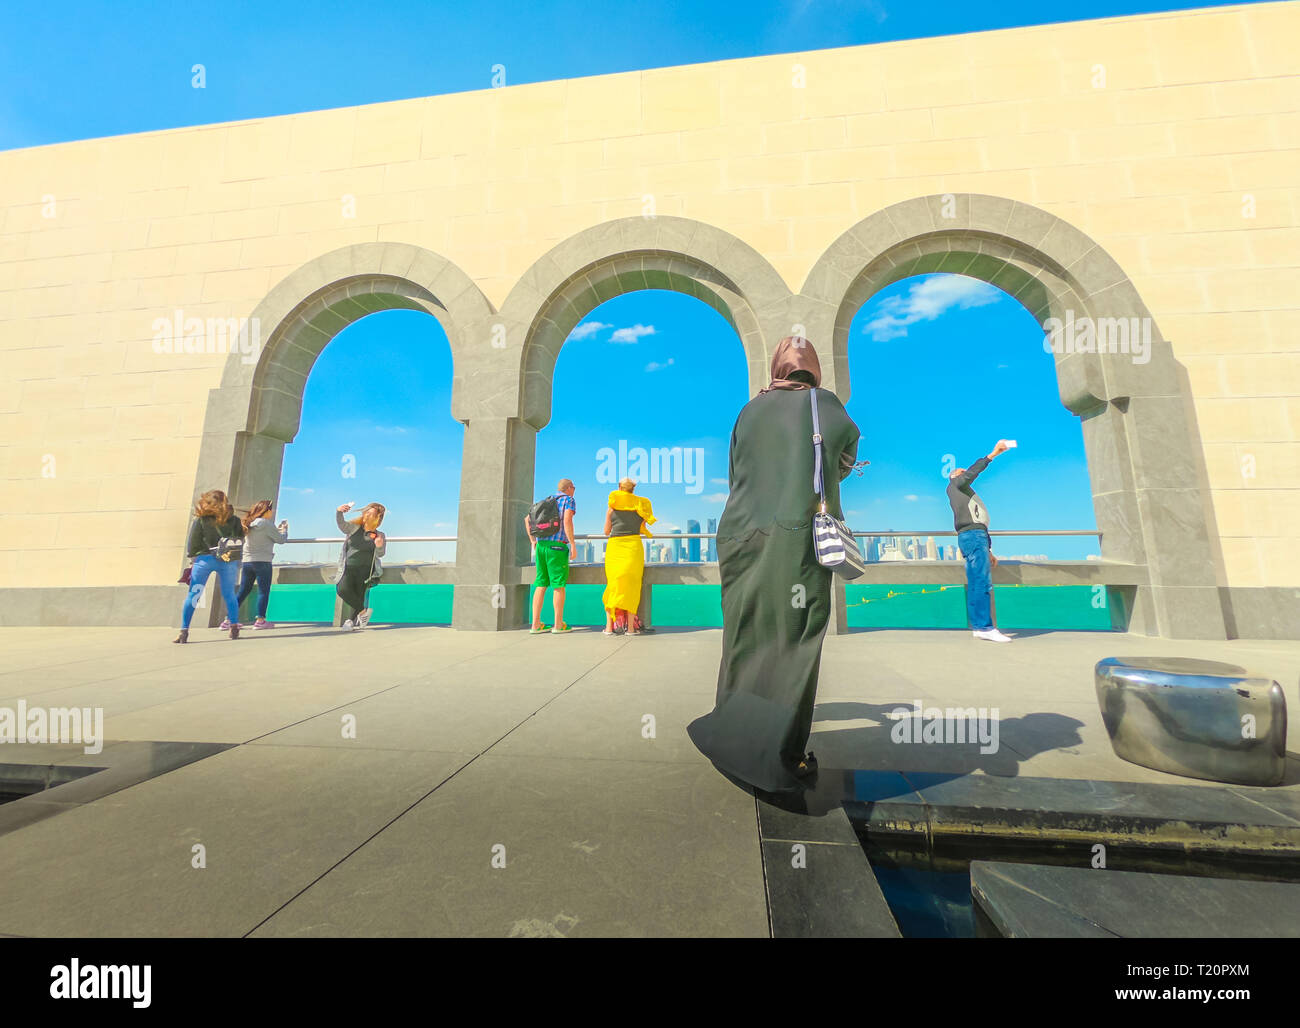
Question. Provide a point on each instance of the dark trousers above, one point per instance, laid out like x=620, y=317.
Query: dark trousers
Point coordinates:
x=352, y=588
x=256, y=572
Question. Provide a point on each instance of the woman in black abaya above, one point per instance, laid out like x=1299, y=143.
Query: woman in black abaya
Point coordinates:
x=776, y=597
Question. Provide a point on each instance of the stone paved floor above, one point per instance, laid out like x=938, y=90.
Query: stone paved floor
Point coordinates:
x=470, y=744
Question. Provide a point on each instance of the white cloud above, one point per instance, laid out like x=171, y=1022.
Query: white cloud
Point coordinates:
x=926, y=301
x=588, y=328
x=400, y=471
x=911, y=497
x=716, y=498
x=443, y=524
x=390, y=429
x=718, y=481
x=301, y=492
x=656, y=366
x=631, y=334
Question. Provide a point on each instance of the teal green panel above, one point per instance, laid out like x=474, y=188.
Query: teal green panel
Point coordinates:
x=298, y=603
x=396, y=604
x=582, y=605
x=1047, y=607
x=425, y=604
x=1060, y=607
x=687, y=605
x=905, y=606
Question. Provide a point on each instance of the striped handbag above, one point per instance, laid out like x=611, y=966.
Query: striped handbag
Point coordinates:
x=836, y=548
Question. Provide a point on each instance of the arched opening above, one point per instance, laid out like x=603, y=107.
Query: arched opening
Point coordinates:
x=375, y=425
x=258, y=408
x=627, y=402
x=1132, y=399
x=942, y=366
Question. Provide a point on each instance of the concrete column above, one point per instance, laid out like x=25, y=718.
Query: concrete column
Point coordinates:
x=495, y=494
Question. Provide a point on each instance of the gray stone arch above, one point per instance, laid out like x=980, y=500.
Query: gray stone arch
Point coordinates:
x=258, y=406
x=630, y=254
x=1144, y=457
x=509, y=378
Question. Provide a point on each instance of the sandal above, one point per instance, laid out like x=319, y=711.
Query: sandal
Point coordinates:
x=807, y=766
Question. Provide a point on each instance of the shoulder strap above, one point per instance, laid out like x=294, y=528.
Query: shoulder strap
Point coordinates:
x=819, y=486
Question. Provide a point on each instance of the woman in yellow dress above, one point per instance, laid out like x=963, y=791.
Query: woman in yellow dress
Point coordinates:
x=625, y=524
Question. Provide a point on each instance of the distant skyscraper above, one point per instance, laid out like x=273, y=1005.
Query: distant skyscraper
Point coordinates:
x=931, y=551
x=677, y=549
x=693, y=545
x=713, y=543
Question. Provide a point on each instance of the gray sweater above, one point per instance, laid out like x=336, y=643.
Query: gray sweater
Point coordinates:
x=259, y=544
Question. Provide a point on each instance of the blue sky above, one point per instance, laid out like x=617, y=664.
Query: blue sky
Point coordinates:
x=941, y=367
x=86, y=69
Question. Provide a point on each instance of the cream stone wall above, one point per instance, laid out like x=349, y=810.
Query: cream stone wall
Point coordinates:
x=1182, y=164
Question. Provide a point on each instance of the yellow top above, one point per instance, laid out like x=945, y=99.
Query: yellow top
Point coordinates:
x=620, y=500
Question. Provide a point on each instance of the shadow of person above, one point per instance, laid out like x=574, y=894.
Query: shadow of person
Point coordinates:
x=937, y=740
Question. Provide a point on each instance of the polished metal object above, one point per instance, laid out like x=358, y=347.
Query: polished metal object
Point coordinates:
x=1196, y=718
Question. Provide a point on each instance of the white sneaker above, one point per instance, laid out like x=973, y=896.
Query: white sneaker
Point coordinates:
x=992, y=635
x=347, y=624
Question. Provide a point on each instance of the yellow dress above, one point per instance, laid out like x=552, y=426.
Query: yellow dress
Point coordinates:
x=624, y=556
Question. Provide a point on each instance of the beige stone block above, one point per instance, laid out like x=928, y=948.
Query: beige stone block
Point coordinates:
x=165, y=294
x=1226, y=135
x=53, y=393
x=527, y=115
x=386, y=133
x=146, y=263
x=763, y=172
x=940, y=157
x=32, y=363
x=1257, y=96
x=1239, y=209
x=691, y=179
x=1001, y=118
x=1024, y=150
x=1165, y=294
x=180, y=231
x=1182, y=176
x=1030, y=77
x=676, y=99
x=148, y=422
x=1197, y=251
x=1273, y=30
x=1127, y=143
x=1281, y=560
x=53, y=496
x=322, y=140
x=134, y=492
x=1249, y=288
x=1254, y=420
x=1273, y=374
x=526, y=195
x=1282, y=330
x=52, y=568
x=1241, y=562
x=602, y=106
x=1072, y=183
x=1278, y=247
x=637, y=151
x=427, y=174
x=256, y=149
x=756, y=92
x=1223, y=332
x=840, y=82
x=803, y=136
x=458, y=122
x=932, y=73
x=1163, y=106
x=156, y=203
x=192, y=157
x=831, y=200
x=1208, y=48
x=728, y=141
x=1263, y=170
x=849, y=165
x=119, y=390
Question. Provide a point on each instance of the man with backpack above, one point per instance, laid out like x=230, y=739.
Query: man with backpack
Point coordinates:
x=550, y=528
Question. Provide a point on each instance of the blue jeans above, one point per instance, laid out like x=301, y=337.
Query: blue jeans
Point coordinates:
x=227, y=572
x=974, y=546
x=258, y=571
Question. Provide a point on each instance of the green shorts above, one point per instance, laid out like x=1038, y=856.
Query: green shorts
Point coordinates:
x=552, y=564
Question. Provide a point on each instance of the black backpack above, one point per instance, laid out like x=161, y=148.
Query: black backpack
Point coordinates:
x=544, y=517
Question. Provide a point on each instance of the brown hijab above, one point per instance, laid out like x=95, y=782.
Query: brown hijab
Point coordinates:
x=794, y=354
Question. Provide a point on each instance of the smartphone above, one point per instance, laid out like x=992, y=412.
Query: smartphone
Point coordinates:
x=1011, y=443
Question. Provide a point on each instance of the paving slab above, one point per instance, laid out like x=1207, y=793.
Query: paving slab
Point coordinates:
x=1032, y=901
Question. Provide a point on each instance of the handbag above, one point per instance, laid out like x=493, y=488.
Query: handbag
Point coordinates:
x=834, y=543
